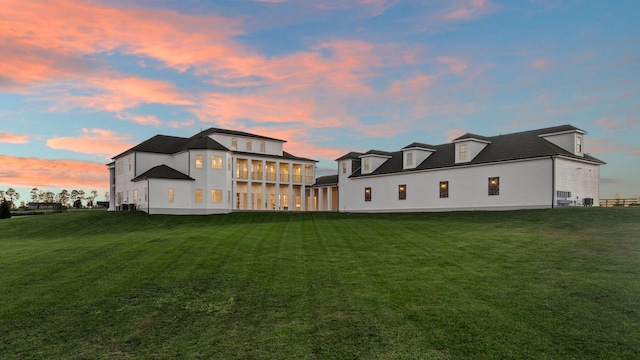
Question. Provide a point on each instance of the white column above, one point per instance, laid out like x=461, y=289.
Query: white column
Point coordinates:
x=329, y=198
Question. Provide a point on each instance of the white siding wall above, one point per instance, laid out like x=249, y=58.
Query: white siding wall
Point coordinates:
x=581, y=179
x=523, y=184
x=566, y=141
x=271, y=147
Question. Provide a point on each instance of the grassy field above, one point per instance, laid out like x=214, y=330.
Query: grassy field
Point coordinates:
x=544, y=284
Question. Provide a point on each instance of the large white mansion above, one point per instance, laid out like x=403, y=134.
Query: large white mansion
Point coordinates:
x=220, y=171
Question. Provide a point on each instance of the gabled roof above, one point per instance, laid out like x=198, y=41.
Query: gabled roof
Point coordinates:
x=235, y=133
x=471, y=136
x=418, y=145
x=377, y=153
x=162, y=172
x=507, y=147
x=351, y=155
x=163, y=144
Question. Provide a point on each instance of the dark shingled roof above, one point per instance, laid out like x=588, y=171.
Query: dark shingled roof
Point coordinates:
x=378, y=152
x=326, y=180
x=418, y=145
x=472, y=136
x=516, y=146
x=162, y=172
x=162, y=144
x=351, y=155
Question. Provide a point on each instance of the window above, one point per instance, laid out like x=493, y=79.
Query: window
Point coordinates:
x=249, y=145
x=402, y=192
x=409, y=159
x=198, y=195
x=579, y=144
x=216, y=196
x=563, y=194
x=263, y=147
x=463, y=152
x=216, y=162
x=344, y=167
x=130, y=164
x=494, y=186
x=170, y=195
x=234, y=144
x=444, y=189
x=367, y=164
x=119, y=168
x=135, y=195
x=367, y=194
x=198, y=161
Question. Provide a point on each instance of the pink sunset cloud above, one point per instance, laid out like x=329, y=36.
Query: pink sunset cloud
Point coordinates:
x=469, y=9
x=35, y=172
x=608, y=146
x=100, y=142
x=10, y=138
x=541, y=64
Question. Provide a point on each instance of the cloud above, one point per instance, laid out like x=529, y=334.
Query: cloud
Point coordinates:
x=598, y=146
x=456, y=65
x=45, y=173
x=469, y=9
x=100, y=142
x=541, y=64
x=10, y=138
x=617, y=124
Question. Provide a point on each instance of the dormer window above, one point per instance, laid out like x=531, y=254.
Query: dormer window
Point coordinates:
x=367, y=165
x=579, y=144
x=462, y=155
x=409, y=159
x=234, y=143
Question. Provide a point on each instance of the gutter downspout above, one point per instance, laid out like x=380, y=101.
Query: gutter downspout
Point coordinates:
x=148, y=198
x=553, y=181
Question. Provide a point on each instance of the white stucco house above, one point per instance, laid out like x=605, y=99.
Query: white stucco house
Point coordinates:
x=220, y=171
x=214, y=171
x=542, y=168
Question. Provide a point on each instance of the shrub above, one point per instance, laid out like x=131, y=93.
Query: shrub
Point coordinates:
x=5, y=209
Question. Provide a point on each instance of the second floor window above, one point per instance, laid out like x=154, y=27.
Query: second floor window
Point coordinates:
x=198, y=161
x=579, y=144
x=263, y=147
x=216, y=162
x=249, y=145
x=367, y=165
x=409, y=159
x=463, y=152
x=234, y=143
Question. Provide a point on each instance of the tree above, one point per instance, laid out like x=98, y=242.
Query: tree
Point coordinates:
x=63, y=197
x=34, y=194
x=5, y=209
x=49, y=197
x=106, y=196
x=13, y=196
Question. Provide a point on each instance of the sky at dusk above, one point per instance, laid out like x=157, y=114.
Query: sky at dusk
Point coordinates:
x=82, y=81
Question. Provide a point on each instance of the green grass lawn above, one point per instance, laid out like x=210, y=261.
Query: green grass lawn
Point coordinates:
x=543, y=284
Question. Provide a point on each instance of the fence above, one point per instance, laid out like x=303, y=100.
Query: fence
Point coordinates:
x=619, y=202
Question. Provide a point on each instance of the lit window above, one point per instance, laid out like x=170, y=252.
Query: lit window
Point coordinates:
x=216, y=196
x=198, y=161
x=216, y=162
x=135, y=195
x=410, y=159
x=367, y=194
x=234, y=144
x=444, y=189
x=249, y=145
x=494, y=186
x=579, y=144
x=263, y=147
x=170, y=195
x=198, y=195
x=463, y=152
x=402, y=192
x=367, y=165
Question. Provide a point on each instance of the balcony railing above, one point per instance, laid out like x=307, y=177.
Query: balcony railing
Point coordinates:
x=308, y=179
x=297, y=178
x=256, y=175
x=284, y=177
x=242, y=174
x=270, y=176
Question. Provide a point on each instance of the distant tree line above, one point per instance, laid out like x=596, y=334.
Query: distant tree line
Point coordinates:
x=74, y=198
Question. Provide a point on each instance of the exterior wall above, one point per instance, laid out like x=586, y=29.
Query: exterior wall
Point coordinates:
x=580, y=178
x=523, y=184
x=566, y=141
x=184, y=198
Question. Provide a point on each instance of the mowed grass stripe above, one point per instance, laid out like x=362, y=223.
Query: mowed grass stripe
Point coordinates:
x=557, y=284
